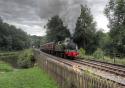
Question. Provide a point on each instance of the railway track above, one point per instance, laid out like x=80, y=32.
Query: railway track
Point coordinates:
x=118, y=70
x=107, y=67
x=114, y=69
x=64, y=61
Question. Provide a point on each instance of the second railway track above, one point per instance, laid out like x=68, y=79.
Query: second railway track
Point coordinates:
x=106, y=67
x=117, y=70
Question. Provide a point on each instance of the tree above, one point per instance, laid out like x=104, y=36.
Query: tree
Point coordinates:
x=12, y=38
x=56, y=31
x=115, y=12
x=103, y=41
x=85, y=30
x=38, y=40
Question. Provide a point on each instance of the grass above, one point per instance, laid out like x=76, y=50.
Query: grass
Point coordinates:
x=4, y=67
x=26, y=78
x=99, y=55
x=25, y=58
x=20, y=59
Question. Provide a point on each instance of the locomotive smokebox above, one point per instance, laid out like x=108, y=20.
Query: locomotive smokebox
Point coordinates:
x=70, y=44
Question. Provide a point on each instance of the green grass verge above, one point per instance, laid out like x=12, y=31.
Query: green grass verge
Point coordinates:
x=4, y=67
x=26, y=78
x=99, y=55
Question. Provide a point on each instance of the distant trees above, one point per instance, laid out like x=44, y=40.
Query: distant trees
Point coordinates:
x=85, y=31
x=36, y=41
x=12, y=38
x=115, y=12
x=56, y=31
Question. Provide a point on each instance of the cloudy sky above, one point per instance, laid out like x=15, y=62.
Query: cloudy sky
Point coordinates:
x=32, y=15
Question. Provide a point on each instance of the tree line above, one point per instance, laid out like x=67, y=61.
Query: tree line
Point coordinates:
x=86, y=35
x=12, y=38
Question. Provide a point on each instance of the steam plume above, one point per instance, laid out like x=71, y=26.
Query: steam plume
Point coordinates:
x=68, y=10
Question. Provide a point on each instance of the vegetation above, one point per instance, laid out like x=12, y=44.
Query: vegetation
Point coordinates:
x=26, y=59
x=85, y=31
x=24, y=78
x=4, y=67
x=20, y=59
x=115, y=12
x=56, y=31
x=98, y=54
x=82, y=52
x=36, y=41
x=12, y=38
x=109, y=47
x=9, y=57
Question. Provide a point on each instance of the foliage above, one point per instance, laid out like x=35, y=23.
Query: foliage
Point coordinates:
x=103, y=41
x=4, y=67
x=9, y=57
x=99, y=54
x=38, y=40
x=12, y=38
x=115, y=12
x=25, y=59
x=19, y=59
x=82, y=52
x=85, y=32
x=27, y=78
x=56, y=31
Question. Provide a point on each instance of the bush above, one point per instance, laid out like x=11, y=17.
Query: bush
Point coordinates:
x=26, y=59
x=98, y=54
x=82, y=52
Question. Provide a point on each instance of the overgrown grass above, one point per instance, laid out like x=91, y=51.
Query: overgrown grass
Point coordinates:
x=4, y=67
x=9, y=57
x=25, y=58
x=25, y=78
x=20, y=59
x=100, y=56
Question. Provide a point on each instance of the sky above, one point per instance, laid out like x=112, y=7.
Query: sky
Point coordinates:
x=32, y=15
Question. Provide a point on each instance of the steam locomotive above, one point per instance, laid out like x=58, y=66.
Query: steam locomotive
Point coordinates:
x=65, y=49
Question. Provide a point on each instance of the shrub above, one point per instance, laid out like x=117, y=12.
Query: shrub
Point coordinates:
x=25, y=59
x=98, y=54
x=82, y=52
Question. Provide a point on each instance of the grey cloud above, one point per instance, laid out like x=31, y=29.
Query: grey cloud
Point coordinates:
x=15, y=10
x=68, y=10
x=37, y=12
x=49, y=8
x=22, y=14
x=97, y=9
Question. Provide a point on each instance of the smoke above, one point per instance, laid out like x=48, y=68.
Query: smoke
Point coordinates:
x=68, y=10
